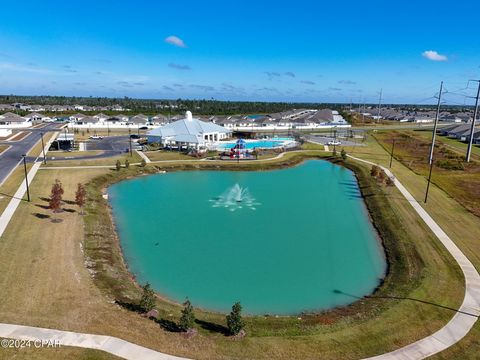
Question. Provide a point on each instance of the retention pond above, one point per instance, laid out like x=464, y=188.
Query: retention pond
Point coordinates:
x=280, y=242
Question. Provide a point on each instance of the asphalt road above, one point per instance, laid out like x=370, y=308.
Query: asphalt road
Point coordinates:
x=10, y=158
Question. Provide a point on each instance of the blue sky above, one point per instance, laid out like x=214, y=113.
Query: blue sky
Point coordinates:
x=240, y=50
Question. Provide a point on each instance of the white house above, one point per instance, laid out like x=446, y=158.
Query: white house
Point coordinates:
x=76, y=117
x=101, y=118
x=188, y=133
x=11, y=120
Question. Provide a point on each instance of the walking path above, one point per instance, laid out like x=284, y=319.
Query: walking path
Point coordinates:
x=110, y=344
x=466, y=315
x=143, y=156
x=452, y=332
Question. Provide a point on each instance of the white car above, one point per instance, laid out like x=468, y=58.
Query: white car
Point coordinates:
x=334, y=143
x=95, y=137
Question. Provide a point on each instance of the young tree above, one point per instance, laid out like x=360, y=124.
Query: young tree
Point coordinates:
x=80, y=197
x=390, y=181
x=343, y=153
x=127, y=164
x=147, y=301
x=187, y=320
x=143, y=163
x=56, y=195
x=118, y=165
x=235, y=322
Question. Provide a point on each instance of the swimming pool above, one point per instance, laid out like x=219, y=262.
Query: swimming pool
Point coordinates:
x=260, y=144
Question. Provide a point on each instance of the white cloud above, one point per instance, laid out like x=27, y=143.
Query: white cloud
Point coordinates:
x=22, y=68
x=434, y=56
x=174, y=40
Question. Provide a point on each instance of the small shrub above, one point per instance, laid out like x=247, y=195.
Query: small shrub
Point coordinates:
x=127, y=164
x=147, y=301
x=375, y=171
x=188, y=317
x=343, y=154
x=118, y=165
x=235, y=322
x=449, y=165
x=143, y=163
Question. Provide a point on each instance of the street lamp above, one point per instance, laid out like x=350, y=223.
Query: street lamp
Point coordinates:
x=26, y=178
x=43, y=149
x=130, y=141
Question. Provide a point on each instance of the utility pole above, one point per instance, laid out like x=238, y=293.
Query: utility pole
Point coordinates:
x=43, y=149
x=434, y=133
x=379, y=105
x=433, y=141
x=26, y=176
x=391, y=153
x=472, y=129
x=130, y=141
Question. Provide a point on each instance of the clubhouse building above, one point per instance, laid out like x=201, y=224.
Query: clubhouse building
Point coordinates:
x=188, y=133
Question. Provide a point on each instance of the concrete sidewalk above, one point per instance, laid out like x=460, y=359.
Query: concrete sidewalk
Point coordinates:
x=469, y=311
x=112, y=345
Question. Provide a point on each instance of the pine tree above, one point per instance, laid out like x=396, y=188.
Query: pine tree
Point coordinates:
x=127, y=164
x=80, y=197
x=234, y=320
x=187, y=320
x=147, y=301
x=118, y=165
x=343, y=153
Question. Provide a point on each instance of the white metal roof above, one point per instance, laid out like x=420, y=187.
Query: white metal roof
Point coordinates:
x=187, y=130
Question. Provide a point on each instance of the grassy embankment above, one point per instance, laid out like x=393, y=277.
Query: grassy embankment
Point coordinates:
x=49, y=286
x=459, y=179
x=460, y=224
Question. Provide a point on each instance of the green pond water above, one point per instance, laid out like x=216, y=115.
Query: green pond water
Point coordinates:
x=280, y=242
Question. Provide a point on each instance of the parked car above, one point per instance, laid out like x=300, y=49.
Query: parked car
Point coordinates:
x=96, y=137
x=334, y=143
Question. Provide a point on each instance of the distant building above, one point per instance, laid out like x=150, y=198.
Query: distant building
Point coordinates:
x=188, y=133
x=12, y=120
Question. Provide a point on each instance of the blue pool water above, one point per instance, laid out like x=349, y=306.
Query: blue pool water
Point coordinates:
x=261, y=144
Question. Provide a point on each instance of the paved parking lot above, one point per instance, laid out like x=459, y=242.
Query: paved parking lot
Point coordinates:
x=112, y=143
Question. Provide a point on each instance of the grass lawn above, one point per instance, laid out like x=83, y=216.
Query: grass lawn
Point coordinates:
x=68, y=154
x=108, y=161
x=48, y=283
x=167, y=155
x=460, y=146
x=459, y=179
x=461, y=225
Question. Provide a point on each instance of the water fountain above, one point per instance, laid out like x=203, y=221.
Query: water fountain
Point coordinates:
x=235, y=198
